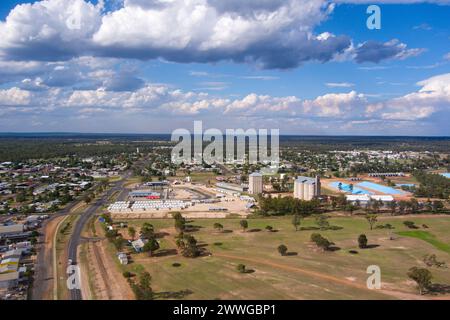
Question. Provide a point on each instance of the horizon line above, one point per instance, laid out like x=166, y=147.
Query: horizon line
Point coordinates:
x=281, y=135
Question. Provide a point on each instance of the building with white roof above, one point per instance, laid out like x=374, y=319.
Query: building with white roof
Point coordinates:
x=306, y=188
x=365, y=198
x=255, y=183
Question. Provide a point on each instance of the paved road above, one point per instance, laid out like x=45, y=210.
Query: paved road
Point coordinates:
x=43, y=274
x=75, y=239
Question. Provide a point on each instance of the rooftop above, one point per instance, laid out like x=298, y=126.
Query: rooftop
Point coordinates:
x=307, y=180
x=14, y=228
x=256, y=174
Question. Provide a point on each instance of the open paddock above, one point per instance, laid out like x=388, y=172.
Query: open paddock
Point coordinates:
x=305, y=272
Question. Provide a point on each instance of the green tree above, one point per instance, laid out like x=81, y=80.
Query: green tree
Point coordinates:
x=241, y=268
x=151, y=246
x=321, y=241
x=244, y=224
x=322, y=221
x=218, y=227
x=282, y=249
x=189, y=245
x=143, y=290
x=422, y=277
x=132, y=232
x=392, y=206
x=362, y=241
x=180, y=222
x=147, y=230
x=119, y=242
x=371, y=219
x=296, y=221
x=437, y=206
x=350, y=207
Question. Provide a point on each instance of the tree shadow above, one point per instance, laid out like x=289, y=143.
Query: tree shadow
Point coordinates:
x=173, y=294
x=254, y=230
x=333, y=248
x=165, y=253
x=218, y=243
x=249, y=271
x=371, y=246
x=160, y=235
x=192, y=228
x=290, y=254
x=438, y=288
x=227, y=231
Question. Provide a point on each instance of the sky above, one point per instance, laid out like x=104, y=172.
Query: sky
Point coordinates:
x=151, y=66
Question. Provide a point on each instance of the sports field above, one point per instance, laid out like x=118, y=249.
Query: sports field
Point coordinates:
x=306, y=272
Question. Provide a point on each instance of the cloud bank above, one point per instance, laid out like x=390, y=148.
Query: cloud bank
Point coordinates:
x=269, y=34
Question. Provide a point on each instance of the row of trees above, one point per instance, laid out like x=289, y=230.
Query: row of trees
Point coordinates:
x=432, y=185
x=278, y=206
x=185, y=242
x=411, y=206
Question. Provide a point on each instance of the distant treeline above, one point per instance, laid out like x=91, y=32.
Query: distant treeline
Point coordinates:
x=20, y=149
x=327, y=143
x=22, y=146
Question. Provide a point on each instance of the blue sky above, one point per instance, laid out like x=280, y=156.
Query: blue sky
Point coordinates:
x=303, y=66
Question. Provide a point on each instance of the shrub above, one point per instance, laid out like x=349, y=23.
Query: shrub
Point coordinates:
x=410, y=224
x=320, y=241
x=362, y=241
x=384, y=226
x=241, y=268
x=282, y=249
x=422, y=277
x=431, y=261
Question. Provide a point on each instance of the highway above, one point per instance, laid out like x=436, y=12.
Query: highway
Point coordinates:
x=43, y=267
x=75, y=239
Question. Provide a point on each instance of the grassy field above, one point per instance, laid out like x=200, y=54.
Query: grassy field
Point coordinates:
x=203, y=177
x=428, y=237
x=306, y=273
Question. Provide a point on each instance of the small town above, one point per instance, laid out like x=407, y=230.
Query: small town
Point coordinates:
x=215, y=159
x=44, y=200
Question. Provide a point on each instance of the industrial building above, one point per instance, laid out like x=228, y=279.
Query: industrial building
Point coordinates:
x=306, y=188
x=13, y=231
x=386, y=174
x=255, y=183
x=157, y=184
x=145, y=194
x=9, y=280
x=231, y=187
x=363, y=199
